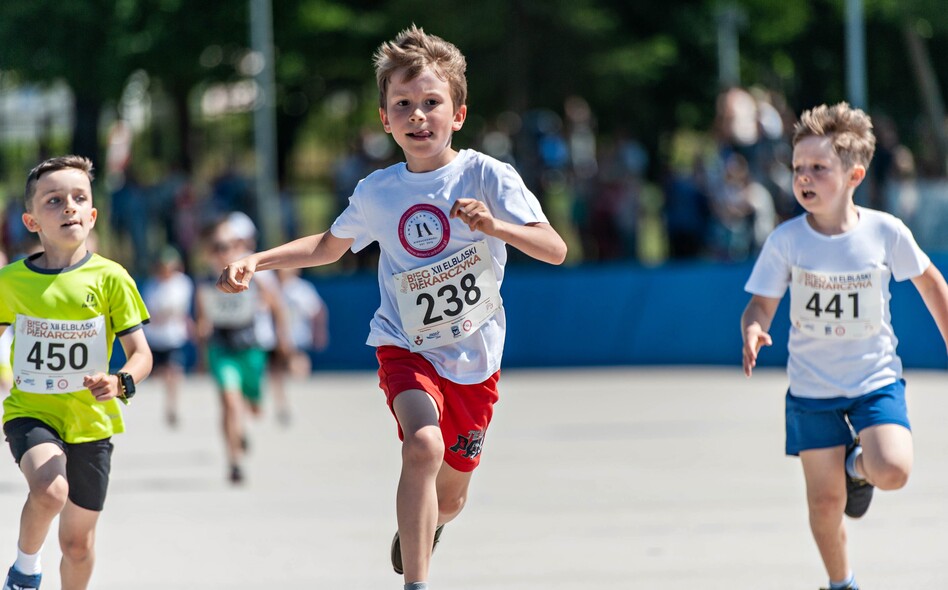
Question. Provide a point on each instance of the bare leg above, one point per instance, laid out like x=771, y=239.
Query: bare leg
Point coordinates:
x=173, y=375
x=77, y=539
x=44, y=467
x=232, y=420
x=416, y=502
x=887, y=455
x=452, y=488
x=825, y=477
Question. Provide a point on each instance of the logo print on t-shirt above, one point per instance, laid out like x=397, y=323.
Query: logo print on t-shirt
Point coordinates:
x=424, y=231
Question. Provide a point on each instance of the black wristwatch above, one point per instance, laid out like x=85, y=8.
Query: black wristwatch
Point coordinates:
x=127, y=384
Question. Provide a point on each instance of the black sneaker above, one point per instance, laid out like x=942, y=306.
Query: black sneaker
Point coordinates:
x=850, y=587
x=397, y=550
x=858, y=491
x=236, y=475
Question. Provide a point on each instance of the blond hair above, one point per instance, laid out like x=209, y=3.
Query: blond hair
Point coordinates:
x=414, y=50
x=849, y=128
x=52, y=165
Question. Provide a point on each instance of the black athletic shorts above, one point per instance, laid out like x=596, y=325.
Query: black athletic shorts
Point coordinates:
x=87, y=464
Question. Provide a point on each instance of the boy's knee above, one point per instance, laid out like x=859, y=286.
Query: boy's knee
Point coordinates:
x=449, y=507
x=77, y=548
x=827, y=503
x=423, y=446
x=50, y=493
x=890, y=477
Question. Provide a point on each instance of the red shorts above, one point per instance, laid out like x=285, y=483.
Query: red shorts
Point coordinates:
x=465, y=410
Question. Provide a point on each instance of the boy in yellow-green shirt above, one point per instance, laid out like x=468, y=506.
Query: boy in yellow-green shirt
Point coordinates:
x=66, y=305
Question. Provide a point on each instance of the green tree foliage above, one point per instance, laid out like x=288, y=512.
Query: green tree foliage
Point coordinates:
x=646, y=68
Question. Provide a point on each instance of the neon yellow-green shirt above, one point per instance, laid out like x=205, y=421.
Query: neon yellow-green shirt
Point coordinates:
x=95, y=287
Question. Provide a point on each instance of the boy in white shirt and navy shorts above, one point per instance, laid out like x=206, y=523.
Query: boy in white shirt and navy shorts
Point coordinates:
x=846, y=416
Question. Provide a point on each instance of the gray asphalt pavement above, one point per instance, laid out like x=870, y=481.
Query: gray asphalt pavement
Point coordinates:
x=625, y=478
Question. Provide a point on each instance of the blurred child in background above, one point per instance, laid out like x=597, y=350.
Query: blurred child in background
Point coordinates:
x=169, y=295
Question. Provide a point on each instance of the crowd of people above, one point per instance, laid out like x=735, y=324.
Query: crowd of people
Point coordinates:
x=713, y=194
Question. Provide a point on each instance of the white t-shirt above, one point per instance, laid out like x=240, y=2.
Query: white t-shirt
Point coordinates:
x=264, y=326
x=841, y=338
x=169, y=303
x=303, y=303
x=407, y=214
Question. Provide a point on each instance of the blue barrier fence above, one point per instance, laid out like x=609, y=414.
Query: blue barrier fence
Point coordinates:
x=676, y=314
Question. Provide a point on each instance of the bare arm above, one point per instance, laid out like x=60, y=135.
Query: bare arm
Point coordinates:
x=931, y=286
x=755, y=322
x=537, y=240
x=315, y=250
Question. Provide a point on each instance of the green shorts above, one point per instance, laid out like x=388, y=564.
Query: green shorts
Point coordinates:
x=238, y=370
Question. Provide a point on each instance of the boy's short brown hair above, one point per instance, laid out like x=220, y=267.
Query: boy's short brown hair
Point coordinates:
x=850, y=129
x=414, y=50
x=52, y=165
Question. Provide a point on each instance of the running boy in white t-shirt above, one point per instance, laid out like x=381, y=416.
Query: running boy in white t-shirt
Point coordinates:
x=845, y=409
x=442, y=220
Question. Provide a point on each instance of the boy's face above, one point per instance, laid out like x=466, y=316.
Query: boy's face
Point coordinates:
x=62, y=212
x=822, y=183
x=421, y=117
x=224, y=247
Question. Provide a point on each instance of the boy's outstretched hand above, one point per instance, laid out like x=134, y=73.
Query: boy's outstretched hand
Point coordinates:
x=236, y=276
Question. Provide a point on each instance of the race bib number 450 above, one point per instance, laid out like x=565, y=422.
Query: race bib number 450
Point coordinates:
x=53, y=356
x=448, y=300
x=836, y=305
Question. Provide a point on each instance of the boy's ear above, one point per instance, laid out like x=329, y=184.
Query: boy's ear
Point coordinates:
x=857, y=175
x=384, y=117
x=459, y=118
x=94, y=214
x=30, y=222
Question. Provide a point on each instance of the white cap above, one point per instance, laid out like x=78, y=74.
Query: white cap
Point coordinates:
x=242, y=226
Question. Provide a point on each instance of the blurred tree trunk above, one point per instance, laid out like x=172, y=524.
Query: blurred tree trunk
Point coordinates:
x=85, y=132
x=931, y=96
x=184, y=123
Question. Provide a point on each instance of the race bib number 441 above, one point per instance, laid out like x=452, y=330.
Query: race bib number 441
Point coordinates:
x=836, y=305
x=448, y=300
x=54, y=356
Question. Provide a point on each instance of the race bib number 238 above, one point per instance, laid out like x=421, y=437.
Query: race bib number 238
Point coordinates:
x=448, y=300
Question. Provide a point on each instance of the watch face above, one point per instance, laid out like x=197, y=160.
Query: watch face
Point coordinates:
x=128, y=384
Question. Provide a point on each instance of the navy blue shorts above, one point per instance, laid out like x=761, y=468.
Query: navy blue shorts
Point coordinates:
x=87, y=464
x=826, y=423
x=169, y=357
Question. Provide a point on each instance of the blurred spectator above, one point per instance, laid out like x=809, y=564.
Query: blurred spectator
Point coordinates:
x=736, y=125
x=6, y=342
x=17, y=240
x=349, y=169
x=174, y=210
x=168, y=293
x=900, y=194
x=687, y=211
x=308, y=319
x=129, y=218
x=615, y=209
x=232, y=191
x=743, y=212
